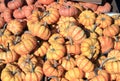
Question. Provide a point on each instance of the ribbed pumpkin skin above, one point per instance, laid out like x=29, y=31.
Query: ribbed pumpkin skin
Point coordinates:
x=74, y=73
x=14, y=4
x=9, y=56
x=16, y=27
x=114, y=53
x=112, y=67
x=102, y=76
x=117, y=45
x=103, y=20
x=52, y=16
x=77, y=34
x=56, y=38
x=25, y=60
x=27, y=44
x=90, y=46
x=6, y=74
x=42, y=50
x=35, y=75
x=87, y=18
x=111, y=30
x=106, y=43
x=85, y=64
x=55, y=51
x=68, y=63
x=40, y=30
x=73, y=49
x=50, y=70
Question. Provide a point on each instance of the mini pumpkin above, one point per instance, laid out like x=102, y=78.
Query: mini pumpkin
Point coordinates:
x=27, y=44
x=51, y=68
x=14, y=4
x=13, y=72
x=103, y=20
x=34, y=71
x=111, y=30
x=7, y=15
x=84, y=63
x=25, y=61
x=90, y=47
x=106, y=44
x=68, y=10
x=40, y=30
x=56, y=38
x=51, y=16
x=76, y=74
x=42, y=49
x=2, y=6
x=113, y=67
x=68, y=62
x=56, y=51
x=16, y=27
x=87, y=18
x=18, y=13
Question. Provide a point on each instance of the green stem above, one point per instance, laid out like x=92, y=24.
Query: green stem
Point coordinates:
x=3, y=30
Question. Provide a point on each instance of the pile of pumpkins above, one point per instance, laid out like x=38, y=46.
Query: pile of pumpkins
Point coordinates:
x=48, y=40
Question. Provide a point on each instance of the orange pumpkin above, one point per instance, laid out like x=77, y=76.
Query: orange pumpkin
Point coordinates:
x=25, y=60
x=58, y=78
x=51, y=16
x=18, y=13
x=117, y=43
x=68, y=62
x=103, y=20
x=34, y=71
x=116, y=19
x=114, y=53
x=90, y=47
x=76, y=33
x=84, y=64
x=111, y=30
x=14, y=4
x=51, y=68
x=42, y=49
x=68, y=10
x=16, y=27
x=72, y=48
x=56, y=38
x=106, y=44
x=76, y=74
x=7, y=15
x=8, y=55
x=27, y=44
x=56, y=51
x=112, y=67
x=2, y=6
x=13, y=72
x=40, y=30
x=87, y=18
x=102, y=76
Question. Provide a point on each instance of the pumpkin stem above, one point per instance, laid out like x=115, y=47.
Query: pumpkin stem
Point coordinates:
x=8, y=47
x=116, y=38
x=93, y=52
x=55, y=64
x=94, y=27
x=3, y=30
x=17, y=40
x=45, y=14
x=104, y=61
x=32, y=67
x=68, y=56
x=45, y=78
